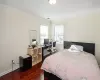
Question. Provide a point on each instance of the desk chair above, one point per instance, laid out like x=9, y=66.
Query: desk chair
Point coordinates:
x=54, y=47
x=48, y=45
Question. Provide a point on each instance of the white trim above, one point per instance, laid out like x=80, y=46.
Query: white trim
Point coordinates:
x=8, y=71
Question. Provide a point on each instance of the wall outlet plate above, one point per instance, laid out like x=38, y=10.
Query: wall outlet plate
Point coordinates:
x=13, y=62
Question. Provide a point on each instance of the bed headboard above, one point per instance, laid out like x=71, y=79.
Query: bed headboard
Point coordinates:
x=88, y=47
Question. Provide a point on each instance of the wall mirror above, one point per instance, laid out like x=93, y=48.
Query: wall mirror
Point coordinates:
x=33, y=37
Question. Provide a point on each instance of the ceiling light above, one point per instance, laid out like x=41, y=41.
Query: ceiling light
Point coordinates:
x=52, y=1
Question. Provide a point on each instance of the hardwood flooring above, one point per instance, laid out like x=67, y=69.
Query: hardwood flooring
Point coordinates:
x=35, y=73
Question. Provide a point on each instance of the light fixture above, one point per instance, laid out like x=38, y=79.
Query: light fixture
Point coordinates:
x=52, y=1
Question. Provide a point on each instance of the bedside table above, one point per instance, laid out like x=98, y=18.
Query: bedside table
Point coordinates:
x=25, y=62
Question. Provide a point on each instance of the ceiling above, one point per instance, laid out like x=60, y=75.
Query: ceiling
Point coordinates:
x=63, y=8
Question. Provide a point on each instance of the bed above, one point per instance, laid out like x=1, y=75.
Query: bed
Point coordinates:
x=84, y=66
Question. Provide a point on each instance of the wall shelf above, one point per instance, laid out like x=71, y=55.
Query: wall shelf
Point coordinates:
x=36, y=54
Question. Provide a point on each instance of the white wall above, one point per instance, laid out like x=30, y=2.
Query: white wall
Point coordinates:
x=84, y=28
x=14, y=34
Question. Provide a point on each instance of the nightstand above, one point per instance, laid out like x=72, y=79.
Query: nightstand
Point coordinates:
x=25, y=62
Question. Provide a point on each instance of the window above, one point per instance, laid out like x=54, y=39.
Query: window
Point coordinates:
x=43, y=33
x=59, y=33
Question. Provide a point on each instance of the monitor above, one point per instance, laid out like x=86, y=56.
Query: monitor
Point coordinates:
x=46, y=41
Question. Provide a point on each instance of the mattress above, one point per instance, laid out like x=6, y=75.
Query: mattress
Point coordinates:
x=72, y=65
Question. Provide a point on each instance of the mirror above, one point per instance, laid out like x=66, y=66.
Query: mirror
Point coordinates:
x=33, y=38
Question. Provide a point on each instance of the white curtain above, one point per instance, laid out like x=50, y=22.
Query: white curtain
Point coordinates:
x=43, y=33
x=59, y=36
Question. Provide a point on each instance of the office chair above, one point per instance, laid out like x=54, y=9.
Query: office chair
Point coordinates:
x=54, y=47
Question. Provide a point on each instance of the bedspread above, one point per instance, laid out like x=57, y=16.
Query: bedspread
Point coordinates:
x=72, y=66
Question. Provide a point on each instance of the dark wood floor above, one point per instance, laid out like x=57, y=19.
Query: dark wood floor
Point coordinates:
x=35, y=73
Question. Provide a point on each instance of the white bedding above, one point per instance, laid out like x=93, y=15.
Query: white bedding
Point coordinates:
x=72, y=66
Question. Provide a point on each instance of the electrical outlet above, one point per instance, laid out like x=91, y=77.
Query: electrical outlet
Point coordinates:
x=13, y=62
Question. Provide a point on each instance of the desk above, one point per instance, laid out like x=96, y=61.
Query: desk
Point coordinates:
x=45, y=52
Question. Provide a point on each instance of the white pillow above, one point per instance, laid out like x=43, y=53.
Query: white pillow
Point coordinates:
x=76, y=48
x=73, y=50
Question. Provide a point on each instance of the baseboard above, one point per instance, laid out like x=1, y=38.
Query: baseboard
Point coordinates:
x=8, y=71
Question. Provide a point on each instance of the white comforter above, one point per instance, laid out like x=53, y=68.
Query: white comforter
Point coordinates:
x=72, y=66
